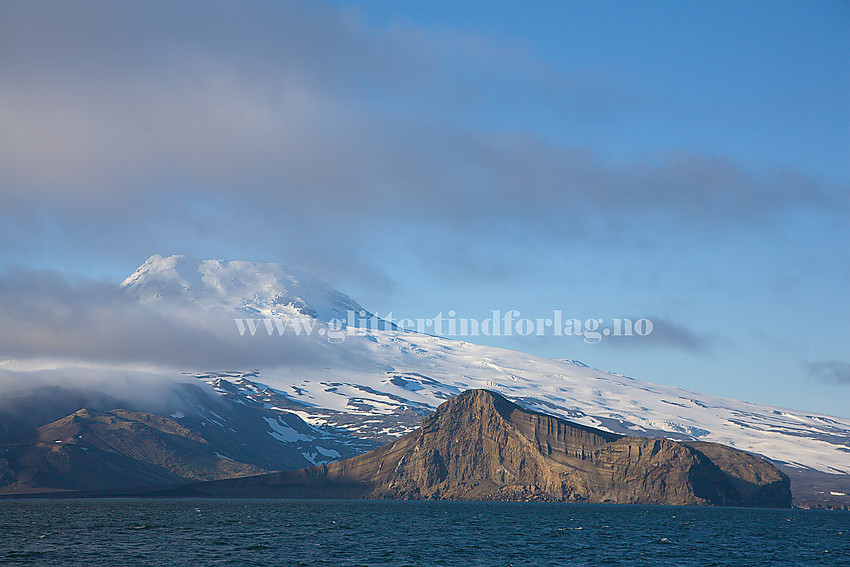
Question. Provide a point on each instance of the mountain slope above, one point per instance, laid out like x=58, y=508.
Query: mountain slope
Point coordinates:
x=480, y=446
x=112, y=443
x=377, y=372
x=379, y=383
x=94, y=450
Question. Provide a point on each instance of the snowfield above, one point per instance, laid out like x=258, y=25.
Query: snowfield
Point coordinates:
x=427, y=370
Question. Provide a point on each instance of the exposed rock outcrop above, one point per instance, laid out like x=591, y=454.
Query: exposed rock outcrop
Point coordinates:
x=480, y=446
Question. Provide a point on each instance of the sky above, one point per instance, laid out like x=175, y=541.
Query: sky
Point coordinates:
x=688, y=163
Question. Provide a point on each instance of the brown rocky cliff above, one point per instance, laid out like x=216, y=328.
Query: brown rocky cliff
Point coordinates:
x=480, y=446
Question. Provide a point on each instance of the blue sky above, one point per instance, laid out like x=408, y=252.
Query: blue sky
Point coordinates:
x=684, y=162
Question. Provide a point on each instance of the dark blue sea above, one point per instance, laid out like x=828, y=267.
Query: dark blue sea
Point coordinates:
x=458, y=534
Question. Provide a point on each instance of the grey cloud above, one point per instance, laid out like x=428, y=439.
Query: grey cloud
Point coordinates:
x=133, y=389
x=46, y=317
x=119, y=108
x=665, y=334
x=829, y=371
x=134, y=128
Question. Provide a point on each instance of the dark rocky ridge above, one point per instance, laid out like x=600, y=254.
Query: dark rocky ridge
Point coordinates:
x=480, y=446
x=90, y=450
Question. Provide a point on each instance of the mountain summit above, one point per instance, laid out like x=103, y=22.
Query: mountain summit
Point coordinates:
x=480, y=446
x=256, y=289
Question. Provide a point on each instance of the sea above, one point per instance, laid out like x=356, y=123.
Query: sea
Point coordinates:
x=340, y=533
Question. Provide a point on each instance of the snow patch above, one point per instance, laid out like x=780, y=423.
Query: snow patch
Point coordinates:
x=328, y=452
x=282, y=432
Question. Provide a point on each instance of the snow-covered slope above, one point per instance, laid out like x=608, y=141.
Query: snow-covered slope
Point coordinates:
x=402, y=372
x=375, y=376
x=370, y=385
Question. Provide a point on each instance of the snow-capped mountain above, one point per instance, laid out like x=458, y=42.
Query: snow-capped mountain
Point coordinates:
x=263, y=290
x=376, y=384
x=378, y=373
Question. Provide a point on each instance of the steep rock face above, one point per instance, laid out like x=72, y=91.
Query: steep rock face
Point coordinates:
x=480, y=446
x=757, y=484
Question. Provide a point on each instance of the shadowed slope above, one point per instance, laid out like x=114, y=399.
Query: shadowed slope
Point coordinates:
x=90, y=450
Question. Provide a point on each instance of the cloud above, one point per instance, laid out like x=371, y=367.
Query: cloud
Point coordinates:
x=26, y=390
x=295, y=133
x=299, y=133
x=46, y=317
x=665, y=334
x=829, y=371
x=301, y=111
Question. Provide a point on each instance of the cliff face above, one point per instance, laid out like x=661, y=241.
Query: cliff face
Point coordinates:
x=480, y=446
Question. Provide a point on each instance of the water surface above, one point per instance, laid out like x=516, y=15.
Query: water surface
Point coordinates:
x=392, y=533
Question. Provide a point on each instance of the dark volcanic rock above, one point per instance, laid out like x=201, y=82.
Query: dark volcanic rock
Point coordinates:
x=480, y=446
